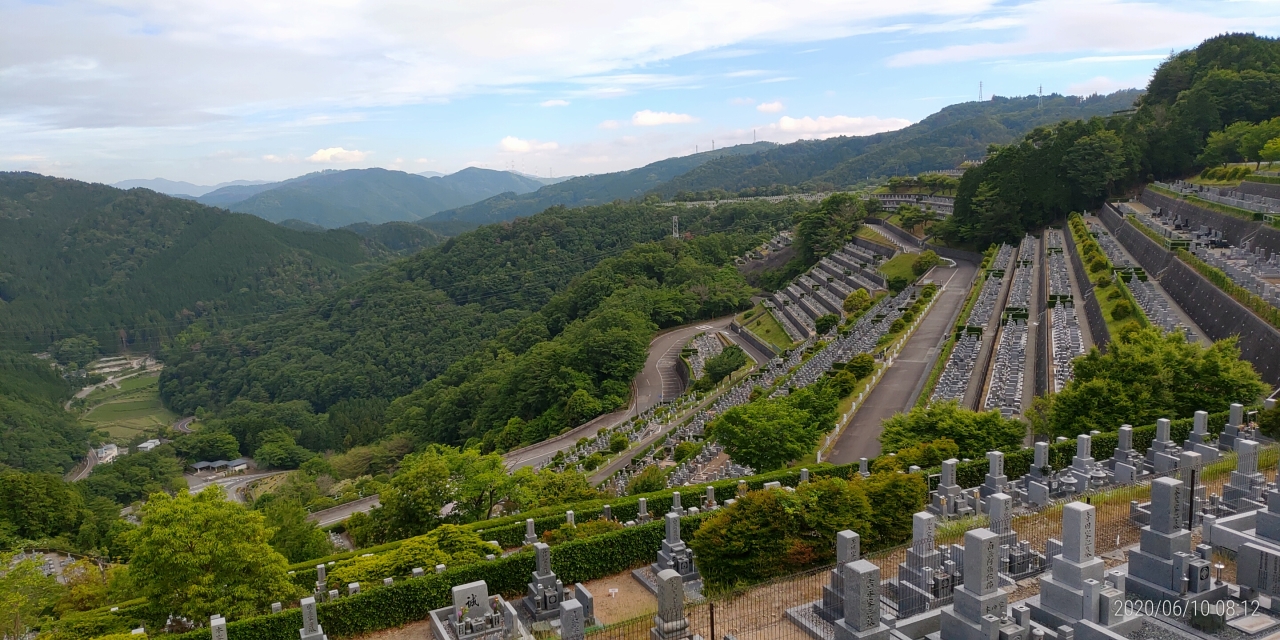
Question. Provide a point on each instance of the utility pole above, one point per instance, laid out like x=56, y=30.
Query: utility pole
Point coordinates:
x=713, y=145
x=979, y=91
x=753, y=136
x=1040, y=102
x=675, y=226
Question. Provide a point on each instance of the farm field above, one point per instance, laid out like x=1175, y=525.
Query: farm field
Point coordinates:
x=129, y=411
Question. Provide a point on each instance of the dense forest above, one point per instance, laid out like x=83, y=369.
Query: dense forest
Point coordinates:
x=130, y=268
x=36, y=434
x=941, y=141
x=1075, y=165
x=391, y=332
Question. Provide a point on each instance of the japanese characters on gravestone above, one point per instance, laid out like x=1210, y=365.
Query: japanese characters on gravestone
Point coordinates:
x=320, y=578
x=1200, y=441
x=995, y=482
x=545, y=590
x=980, y=603
x=276, y=607
x=472, y=611
x=1072, y=589
x=1163, y=561
x=848, y=549
x=670, y=623
x=948, y=499
x=921, y=578
x=643, y=516
x=861, y=603
x=218, y=628
x=311, y=629
x=572, y=622
x=710, y=500
x=675, y=554
x=675, y=504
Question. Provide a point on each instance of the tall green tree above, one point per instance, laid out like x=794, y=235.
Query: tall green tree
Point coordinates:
x=197, y=555
x=973, y=433
x=26, y=595
x=292, y=535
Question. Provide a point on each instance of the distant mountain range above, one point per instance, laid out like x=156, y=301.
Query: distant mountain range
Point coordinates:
x=179, y=188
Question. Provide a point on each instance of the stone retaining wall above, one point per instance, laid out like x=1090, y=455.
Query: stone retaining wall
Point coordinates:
x=1264, y=189
x=1098, y=331
x=1234, y=230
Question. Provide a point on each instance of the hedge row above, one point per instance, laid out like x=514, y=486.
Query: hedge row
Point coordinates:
x=413, y=599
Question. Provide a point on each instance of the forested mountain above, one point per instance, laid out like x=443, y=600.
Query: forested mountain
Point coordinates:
x=334, y=199
x=591, y=190
x=940, y=141
x=36, y=434
x=181, y=188
x=386, y=335
x=1075, y=165
x=134, y=266
x=401, y=237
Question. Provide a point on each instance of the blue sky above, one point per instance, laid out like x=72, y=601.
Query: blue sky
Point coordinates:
x=205, y=91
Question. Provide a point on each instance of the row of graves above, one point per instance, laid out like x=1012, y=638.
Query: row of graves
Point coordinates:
x=702, y=348
x=1154, y=304
x=1248, y=266
x=1225, y=195
x=1009, y=365
x=1168, y=587
x=823, y=289
x=967, y=350
x=1066, y=340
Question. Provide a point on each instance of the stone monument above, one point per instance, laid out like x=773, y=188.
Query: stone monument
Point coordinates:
x=670, y=623
x=923, y=578
x=861, y=603
x=1163, y=567
x=545, y=590
x=980, y=610
x=674, y=554
x=311, y=629
x=572, y=623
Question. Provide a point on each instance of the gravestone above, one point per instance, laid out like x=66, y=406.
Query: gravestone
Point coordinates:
x=670, y=623
x=1200, y=441
x=568, y=518
x=311, y=629
x=530, y=536
x=1072, y=589
x=545, y=591
x=848, y=549
x=948, y=499
x=675, y=504
x=386, y=582
x=333, y=595
x=861, y=603
x=922, y=578
x=1082, y=464
x=742, y=488
x=980, y=608
x=353, y=588
x=643, y=516
x=320, y=578
x=418, y=572
x=473, y=613
x=572, y=622
x=804, y=475
x=441, y=568
x=276, y=607
x=607, y=515
x=1234, y=428
x=995, y=482
x=217, y=628
x=1243, y=491
x=1163, y=456
x=1268, y=521
x=587, y=601
x=1161, y=568
x=864, y=468
x=710, y=500
x=675, y=554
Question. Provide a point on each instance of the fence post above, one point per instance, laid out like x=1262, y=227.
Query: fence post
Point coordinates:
x=713, y=620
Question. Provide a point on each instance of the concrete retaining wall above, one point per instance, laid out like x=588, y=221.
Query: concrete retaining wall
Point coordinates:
x=955, y=254
x=1264, y=189
x=902, y=235
x=1216, y=312
x=751, y=339
x=1235, y=230
x=874, y=247
x=1098, y=331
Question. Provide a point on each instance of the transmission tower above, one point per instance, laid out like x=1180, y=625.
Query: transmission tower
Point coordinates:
x=675, y=226
x=979, y=91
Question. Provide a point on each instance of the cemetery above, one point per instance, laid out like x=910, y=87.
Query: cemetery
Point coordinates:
x=822, y=289
x=1005, y=386
x=1066, y=340
x=955, y=379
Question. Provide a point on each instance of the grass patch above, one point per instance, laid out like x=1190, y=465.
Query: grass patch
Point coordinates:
x=131, y=410
x=762, y=323
x=1103, y=294
x=871, y=235
x=899, y=265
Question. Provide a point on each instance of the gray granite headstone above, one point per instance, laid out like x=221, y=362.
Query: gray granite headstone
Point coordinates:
x=320, y=574
x=542, y=557
x=862, y=595
x=948, y=473
x=310, y=621
x=643, y=507
x=530, y=535
x=848, y=547
x=670, y=622
x=1162, y=430
x=333, y=595
x=804, y=475
x=981, y=561
x=1237, y=414
x=1246, y=456
x=1125, y=437
x=568, y=517
x=353, y=588
x=276, y=607
x=386, y=582
x=711, y=496
x=1041, y=455
x=673, y=528
x=923, y=526
x=218, y=628
x=471, y=600
x=1166, y=496
x=1000, y=512
x=418, y=572
x=441, y=568
x=1201, y=423
x=572, y=622
x=608, y=513
x=1078, y=532
x=587, y=601
x=675, y=502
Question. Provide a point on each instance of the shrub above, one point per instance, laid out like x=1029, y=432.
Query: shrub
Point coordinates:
x=924, y=262
x=1097, y=264
x=1103, y=281
x=898, y=325
x=861, y=365
x=686, y=450
x=824, y=323
x=1115, y=295
x=588, y=529
x=857, y=302
x=1122, y=310
x=653, y=478
x=974, y=433
x=618, y=443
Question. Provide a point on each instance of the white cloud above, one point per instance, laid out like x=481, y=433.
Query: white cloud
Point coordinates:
x=1055, y=27
x=649, y=118
x=610, y=124
x=831, y=126
x=554, y=103
x=512, y=144
x=770, y=107
x=1103, y=84
x=337, y=155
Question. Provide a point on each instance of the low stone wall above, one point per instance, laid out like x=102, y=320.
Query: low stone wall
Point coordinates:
x=1152, y=257
x=1098, y=331
x=874, y=247
x=901, y=234
x=1235, y=230
x=954, y=254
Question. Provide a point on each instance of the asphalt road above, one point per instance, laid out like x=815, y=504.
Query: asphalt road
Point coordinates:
x=343, y=511
x=183, y=425
x=861, y=439
x=231, y=485
x=90, y=460
x=654, y=384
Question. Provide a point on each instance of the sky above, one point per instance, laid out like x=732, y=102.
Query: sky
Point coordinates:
x=208, y=91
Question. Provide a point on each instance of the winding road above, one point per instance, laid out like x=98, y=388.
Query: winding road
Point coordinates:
x=655, y=383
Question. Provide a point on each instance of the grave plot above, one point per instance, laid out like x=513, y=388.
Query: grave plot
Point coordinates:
x=703, y=347
x=954, y=380
x=1009, y=366
x=1066, y=342
x=822, y=290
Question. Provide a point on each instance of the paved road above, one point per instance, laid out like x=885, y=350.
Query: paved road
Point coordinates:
x=654, y=384
x=183, y=425
x=232, y=486
x=77, y=474
x=861, y=439
x=341, y=512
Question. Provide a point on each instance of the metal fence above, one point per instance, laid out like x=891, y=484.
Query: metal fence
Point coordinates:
x=760, y=612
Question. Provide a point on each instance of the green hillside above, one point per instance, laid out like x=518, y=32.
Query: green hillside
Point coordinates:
x=591, y=190
x=334, y=199
x=403, y=325
x=131, y=267
x=36, y=434
x=940, y=141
